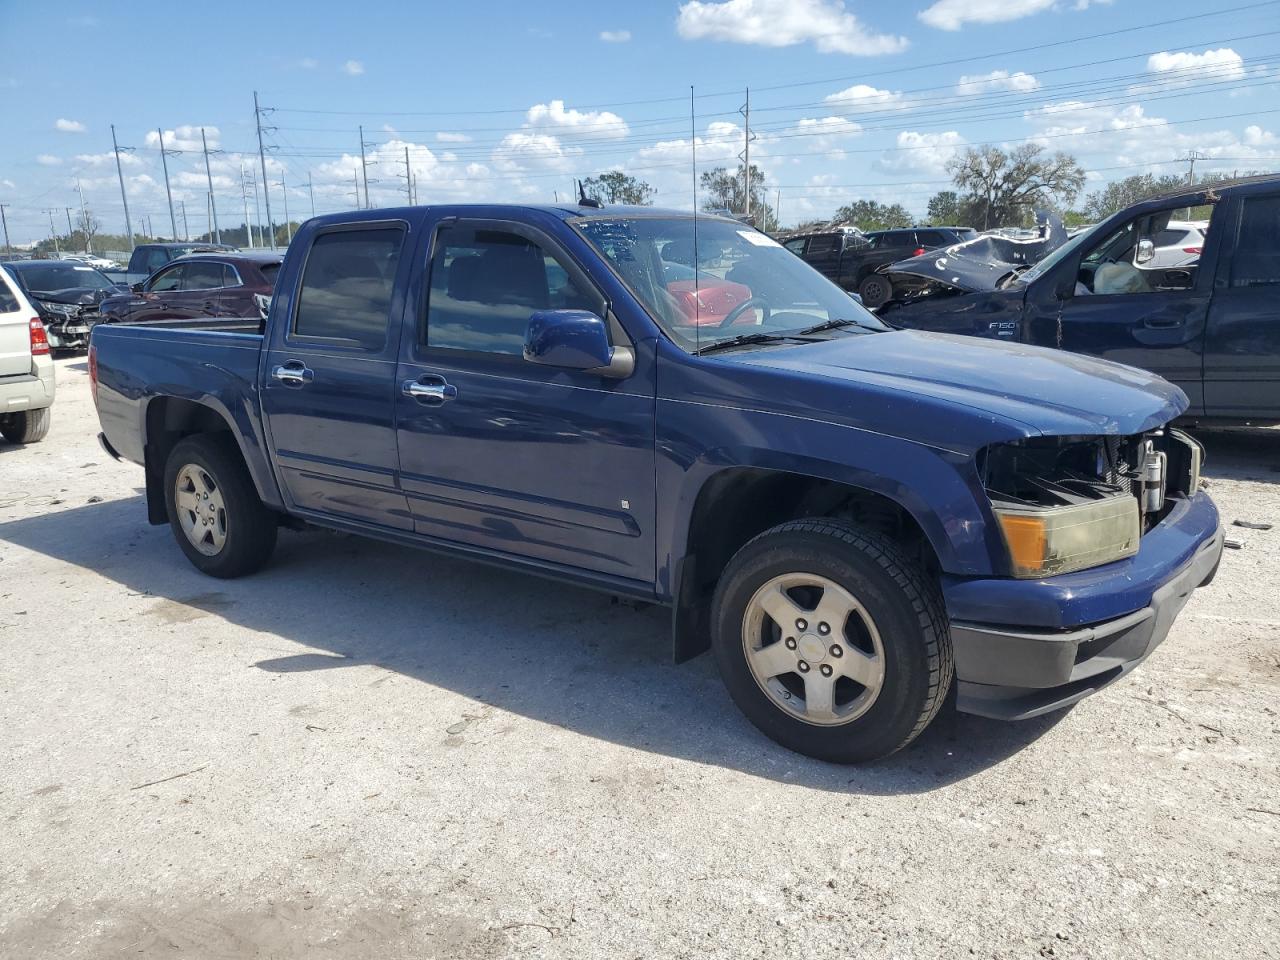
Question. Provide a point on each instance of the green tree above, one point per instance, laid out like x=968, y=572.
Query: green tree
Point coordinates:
x=944, y=208
x=724, y=189
x=614, y=186
x=1003, y=188
x=873, y=215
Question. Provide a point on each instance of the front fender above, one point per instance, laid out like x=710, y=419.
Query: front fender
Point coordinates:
x=940, y=489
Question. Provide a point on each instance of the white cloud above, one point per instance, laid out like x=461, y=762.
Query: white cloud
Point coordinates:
x=588, y=123
x=1221, y=64
x=308, y=63
x=954, y=14
x=1255, y=136
x=69, y=126
x=526, y=148
x=185, y=137
x=445, y=136
x=353, y=68
x=784, y=23
x=864, y=98
x=997, y=80
x=8, y=184
x=102, y=159
x=921, y=152
x=615, y=36
x=48, y=160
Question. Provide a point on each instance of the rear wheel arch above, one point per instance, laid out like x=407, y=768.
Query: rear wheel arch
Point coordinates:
x=169, y=420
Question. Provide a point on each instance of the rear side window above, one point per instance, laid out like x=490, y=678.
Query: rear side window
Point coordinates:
x=900, y=238
x=932, y=238
x=796, y=246
x=203, y=276
x=154, y=259
x=1257, y=258
x=8, y=302
x=347, y=286
x=269, y=272
x=485, y=284
x=823, y=245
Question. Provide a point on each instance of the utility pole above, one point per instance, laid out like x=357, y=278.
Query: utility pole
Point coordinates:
x=288, y=224
x=186, y=230
x=164, y=162
x=5, y=223
x=312, y=191
x=415, y=189
x=262, y=158
x=257, y=210
x=777, y=209
x=745, y=156
x=84, y=220
x=213, y=205
x=70, y=230
x=1191, y=158
x=355, y=175
x=53, y=232
x=408, y=176
x=128, y=224
x=244, y=197
x=364, y=168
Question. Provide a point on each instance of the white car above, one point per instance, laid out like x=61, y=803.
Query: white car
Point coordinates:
x=1179, y=244
x=88, y=259
x=26, y=368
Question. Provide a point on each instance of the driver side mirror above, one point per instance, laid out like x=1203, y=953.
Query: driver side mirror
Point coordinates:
x=1146, y=252
x=575, y=340
x=136, y=287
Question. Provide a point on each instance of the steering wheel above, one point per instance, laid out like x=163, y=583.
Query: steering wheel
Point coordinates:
x=742, y=308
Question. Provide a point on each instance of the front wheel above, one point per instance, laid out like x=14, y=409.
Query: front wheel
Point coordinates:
x=215, y=513
x=831, y=640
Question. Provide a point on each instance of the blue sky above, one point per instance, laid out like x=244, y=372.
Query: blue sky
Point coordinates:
x=511, y=100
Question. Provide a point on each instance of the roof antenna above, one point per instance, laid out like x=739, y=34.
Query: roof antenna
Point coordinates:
x=584, y=200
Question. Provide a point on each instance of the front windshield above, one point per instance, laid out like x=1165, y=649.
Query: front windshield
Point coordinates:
x=1054, y=257
x=744, y=282
x=51, y=277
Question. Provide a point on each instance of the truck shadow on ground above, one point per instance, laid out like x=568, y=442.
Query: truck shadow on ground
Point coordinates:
x=1241, y=453
x=557, y=654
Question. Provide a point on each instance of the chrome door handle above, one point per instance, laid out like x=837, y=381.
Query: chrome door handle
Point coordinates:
x=294, y=373
x=436, y=392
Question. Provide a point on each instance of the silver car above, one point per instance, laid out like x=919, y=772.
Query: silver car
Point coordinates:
x=26, y=368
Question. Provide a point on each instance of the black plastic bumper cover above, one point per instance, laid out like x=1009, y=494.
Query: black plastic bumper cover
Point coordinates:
x=1010, y=675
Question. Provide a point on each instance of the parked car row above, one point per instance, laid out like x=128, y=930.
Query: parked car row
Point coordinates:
x=70, y=297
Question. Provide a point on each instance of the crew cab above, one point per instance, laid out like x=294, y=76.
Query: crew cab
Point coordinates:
x=853, y=518
x=1209, y=324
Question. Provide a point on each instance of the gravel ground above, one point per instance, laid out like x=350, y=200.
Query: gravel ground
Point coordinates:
x=366, y=751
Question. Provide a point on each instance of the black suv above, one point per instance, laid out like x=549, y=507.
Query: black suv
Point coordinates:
x=851, y=258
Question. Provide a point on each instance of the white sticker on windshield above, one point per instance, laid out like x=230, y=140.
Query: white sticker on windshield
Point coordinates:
x=758, y=239
x=85, y=269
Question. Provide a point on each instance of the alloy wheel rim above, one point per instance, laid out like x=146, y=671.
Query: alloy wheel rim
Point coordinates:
x=813, y=649
x=202, y=513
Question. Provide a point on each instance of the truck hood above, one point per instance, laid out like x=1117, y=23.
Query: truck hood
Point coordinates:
x=983, y=263
x=949, y=387
x=78, y=296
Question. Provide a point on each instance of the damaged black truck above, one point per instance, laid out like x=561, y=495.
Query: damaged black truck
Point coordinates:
x=1211, y=325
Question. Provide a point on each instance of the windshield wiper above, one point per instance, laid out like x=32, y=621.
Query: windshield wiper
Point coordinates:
x=745, y=338
x=835, y=325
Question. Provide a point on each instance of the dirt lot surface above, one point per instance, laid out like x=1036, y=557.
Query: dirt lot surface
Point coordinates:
x=367, y=751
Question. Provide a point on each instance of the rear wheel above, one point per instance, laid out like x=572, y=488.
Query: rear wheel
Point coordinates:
x=875, y=290
x=831, y=640
x=27, y=426
x=217, y=518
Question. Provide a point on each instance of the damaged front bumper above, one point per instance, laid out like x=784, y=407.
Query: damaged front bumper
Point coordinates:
x=1027, y=647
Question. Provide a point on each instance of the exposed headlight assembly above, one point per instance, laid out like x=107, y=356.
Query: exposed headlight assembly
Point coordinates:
x=1044, y=541
x=61, y=309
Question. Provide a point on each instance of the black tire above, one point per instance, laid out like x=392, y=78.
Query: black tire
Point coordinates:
x=27, y=426
x=905, y=605
x=250, y=527
x=875, y=291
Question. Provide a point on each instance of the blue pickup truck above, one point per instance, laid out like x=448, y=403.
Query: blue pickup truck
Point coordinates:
x=1210, y=323
x=677, y=410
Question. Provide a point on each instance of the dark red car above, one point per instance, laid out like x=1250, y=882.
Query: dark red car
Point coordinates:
x=197, y=286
